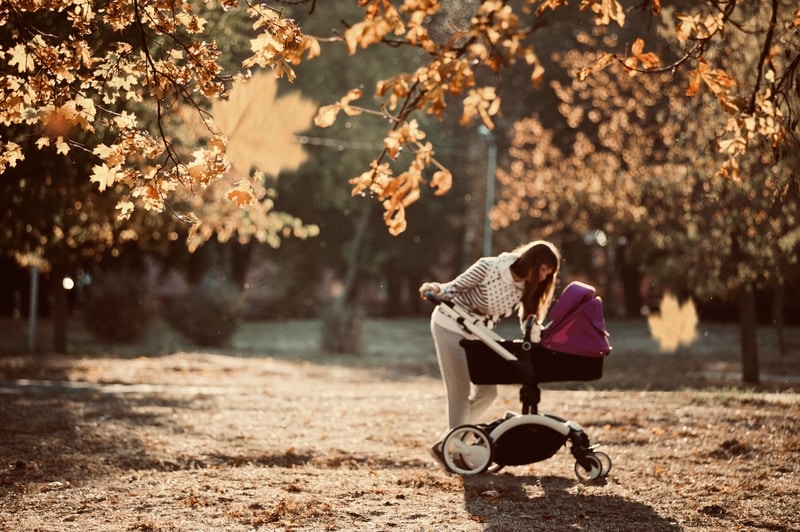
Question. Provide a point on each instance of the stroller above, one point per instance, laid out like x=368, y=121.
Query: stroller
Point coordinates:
x=571, y=348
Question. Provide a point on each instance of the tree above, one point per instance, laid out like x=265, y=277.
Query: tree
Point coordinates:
x=67, y=96
x=317, y=192
x=162, y=56
x=643, y=169
x=495, y=38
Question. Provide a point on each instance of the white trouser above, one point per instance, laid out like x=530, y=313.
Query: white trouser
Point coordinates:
x=466, y=402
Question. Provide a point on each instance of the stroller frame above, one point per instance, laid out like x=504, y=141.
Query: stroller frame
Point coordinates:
x=515, y=439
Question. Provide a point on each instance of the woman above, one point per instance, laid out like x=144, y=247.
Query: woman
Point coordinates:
x=493, y=287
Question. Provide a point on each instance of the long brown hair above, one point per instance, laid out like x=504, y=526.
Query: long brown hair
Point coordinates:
x=536, y=296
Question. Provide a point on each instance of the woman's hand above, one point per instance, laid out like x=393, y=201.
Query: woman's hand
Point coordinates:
x=532, y=330
x=434, y=288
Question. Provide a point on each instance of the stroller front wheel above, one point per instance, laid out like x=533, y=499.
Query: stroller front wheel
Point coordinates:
x=467, y=450
x=592, y=467
x=605, y=462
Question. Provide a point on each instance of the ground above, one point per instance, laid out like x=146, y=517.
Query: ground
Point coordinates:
x=271, y=434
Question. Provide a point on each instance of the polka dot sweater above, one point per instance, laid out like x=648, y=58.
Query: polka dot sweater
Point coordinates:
x=487, y=288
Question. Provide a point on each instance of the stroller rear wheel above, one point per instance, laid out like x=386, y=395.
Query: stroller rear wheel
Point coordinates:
x=467, y=450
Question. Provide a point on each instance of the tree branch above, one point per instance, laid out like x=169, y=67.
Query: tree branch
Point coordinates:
x=751, y=105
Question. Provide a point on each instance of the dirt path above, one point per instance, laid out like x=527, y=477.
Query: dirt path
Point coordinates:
x=193, y=441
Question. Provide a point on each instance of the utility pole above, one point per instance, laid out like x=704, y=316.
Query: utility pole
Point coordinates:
x=491, y=169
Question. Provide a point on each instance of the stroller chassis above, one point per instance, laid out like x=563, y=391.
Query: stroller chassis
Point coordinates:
x=515, y=439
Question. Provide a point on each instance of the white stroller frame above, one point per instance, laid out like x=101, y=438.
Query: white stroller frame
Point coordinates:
x=515, y=439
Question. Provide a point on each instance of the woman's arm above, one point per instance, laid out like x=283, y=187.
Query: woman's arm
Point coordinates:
x=470, y=278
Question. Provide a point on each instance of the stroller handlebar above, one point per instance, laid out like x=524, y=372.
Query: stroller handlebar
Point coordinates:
x=435, y=299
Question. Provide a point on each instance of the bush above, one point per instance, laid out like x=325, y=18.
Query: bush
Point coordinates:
x=118, y=307
x=209, y=313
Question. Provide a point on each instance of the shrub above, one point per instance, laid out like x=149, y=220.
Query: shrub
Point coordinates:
x=343, y=329
x=209, y=313
x=118, y=307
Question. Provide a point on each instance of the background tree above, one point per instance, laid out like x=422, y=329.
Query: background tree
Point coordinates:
x=644, y=169
x=55, y=216
x=164, y=58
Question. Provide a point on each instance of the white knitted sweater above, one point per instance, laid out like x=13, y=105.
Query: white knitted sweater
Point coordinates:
x=486, y=288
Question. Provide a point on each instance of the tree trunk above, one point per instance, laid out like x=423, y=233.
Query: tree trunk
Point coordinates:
x=778, y=298
x=631, y=279
x=351, y=275
x=747, y=330
x=59, y=309
x=343, y=322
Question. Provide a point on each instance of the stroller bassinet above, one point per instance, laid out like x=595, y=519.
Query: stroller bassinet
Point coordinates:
x=534, y=362
x=572, y=346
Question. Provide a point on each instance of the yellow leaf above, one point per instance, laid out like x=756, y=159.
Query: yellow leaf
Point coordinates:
x=62, y=148
x=537, y=75
x=326, y=115
x=796, y=22
x=125, y=209
x=11, y=154
x=194, y=240
x=638, y=46
x=676, y=325
x=657, y=6
x=261, y=126
x=111, y=156
x=20, y=57
x=104, y=176
x=395, y=217
x=442, y=181
x=606, y=10
x=687, y=26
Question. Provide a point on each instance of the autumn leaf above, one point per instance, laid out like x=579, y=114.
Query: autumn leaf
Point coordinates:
x=111, y=155
x=687, y=26
x=695, y=81
x=483, y=102
x=326, y=115
x=242, y=194
x=62, y=148
x=675, y=325
x=374, y=27
x=648, y=60
x=717, y=81
x=261, y=126
x=18, y=56
x=395, y=217
x=442, y=181
x=549, y=4
x=105, y=176
x=80, y=111
x=657, y=7
x=280, y=43
x=602, y=61
x=125, y=209
x=10, y=154
x=606, y=10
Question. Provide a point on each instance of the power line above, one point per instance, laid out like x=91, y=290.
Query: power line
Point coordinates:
x=339, y=144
